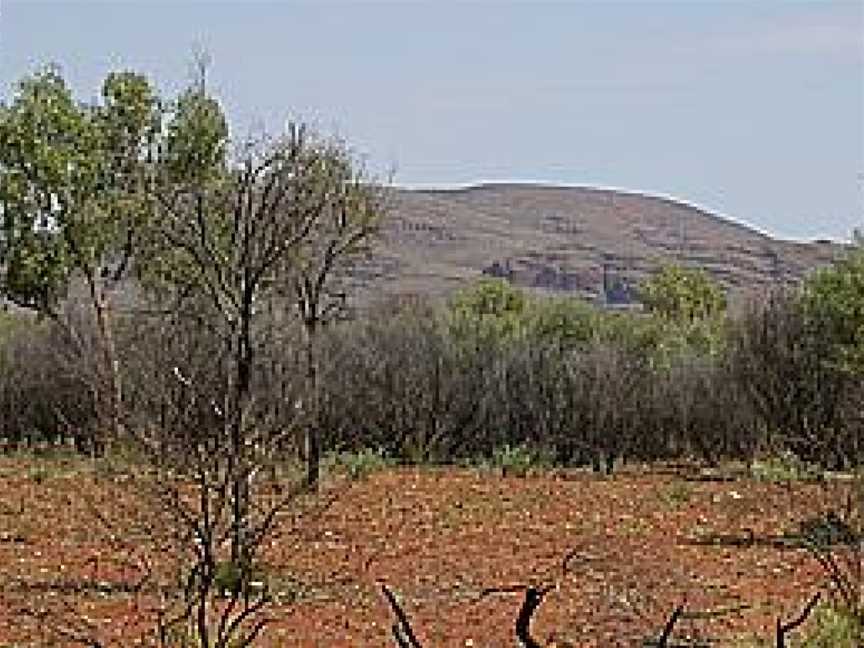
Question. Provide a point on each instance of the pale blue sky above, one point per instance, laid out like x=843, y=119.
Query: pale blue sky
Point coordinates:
x=751, y=109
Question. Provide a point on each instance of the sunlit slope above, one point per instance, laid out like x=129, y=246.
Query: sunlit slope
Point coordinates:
x=561, y=238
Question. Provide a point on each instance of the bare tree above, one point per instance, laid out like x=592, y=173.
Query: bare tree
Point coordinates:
x=343, y=231
x=280, y=223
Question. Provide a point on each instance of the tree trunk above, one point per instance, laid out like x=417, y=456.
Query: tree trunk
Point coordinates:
x=312, y=441
x=239, y=458
x=109, y=391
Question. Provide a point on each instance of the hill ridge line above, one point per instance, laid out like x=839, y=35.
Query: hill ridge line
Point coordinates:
x=670, y=199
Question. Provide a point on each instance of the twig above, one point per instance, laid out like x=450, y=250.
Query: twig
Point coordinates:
x=663, y=641
x=402, y=631
x=784, y=628
x=533, y=599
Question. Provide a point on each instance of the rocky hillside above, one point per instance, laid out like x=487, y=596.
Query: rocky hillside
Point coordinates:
x=588, y=242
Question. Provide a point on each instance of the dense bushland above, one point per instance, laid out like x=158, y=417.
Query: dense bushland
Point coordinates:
x=492, y=367
x=577, y=383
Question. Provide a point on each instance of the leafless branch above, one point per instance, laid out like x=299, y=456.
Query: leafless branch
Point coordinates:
x=784, y=628
x=403, y=634
x=663, y=640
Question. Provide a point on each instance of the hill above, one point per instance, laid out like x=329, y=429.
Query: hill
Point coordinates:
x=594, y=243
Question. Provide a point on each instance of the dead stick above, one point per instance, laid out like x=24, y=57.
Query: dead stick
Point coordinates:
x=533, y=599
x=403, y=627
x=784, y=628
x=663, y=641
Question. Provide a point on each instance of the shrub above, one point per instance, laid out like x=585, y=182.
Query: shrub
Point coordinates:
x=833, y=297
x=677, y=494
x=359, y=465
x=227, y=578
x=516, y=461
x=488, y=308
x=834, y=628
x=682, y=294
x=785, y=466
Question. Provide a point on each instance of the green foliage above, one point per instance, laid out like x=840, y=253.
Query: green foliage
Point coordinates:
x=833, y=298
x=79, y=183
x=630, y=332
x=833, y=628
x=490, y=298
x=567, y=322
x=42, y=160
x=682, y=294
x=490, y=308
x=785, y=466
x=196, y=143
x=687, y=315
x=40, y=475
x=659, y=341
x=825, y=530
x=516, y=460
x=359, y=465
x=495, y=309
x=677, y=494
x=227, y=578
x=70, y=181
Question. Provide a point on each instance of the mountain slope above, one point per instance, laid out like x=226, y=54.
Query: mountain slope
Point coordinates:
x=568, y=240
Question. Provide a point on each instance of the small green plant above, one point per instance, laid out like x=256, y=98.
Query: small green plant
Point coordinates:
x=227, y=579
x=834, y=628
x=515, y=460
x=676, y=494
x=786, y=466
x=40, y=475
x=836, y=540
x=824, y=531
x=359, y=465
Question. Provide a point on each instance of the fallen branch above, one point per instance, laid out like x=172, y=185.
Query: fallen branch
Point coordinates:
x=533, y=599
x=784, y=628
x=749, y=539
x=403, y=634
x=663, y=641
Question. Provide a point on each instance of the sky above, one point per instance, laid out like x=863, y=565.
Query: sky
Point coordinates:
x=753, y=110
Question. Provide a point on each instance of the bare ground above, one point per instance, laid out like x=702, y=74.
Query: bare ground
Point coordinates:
x=619, y=553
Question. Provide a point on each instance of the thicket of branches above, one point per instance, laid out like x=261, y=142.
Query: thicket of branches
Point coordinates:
x=413, y=381
x=626, y=387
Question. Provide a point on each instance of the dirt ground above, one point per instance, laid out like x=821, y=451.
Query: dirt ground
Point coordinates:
x=619, y=553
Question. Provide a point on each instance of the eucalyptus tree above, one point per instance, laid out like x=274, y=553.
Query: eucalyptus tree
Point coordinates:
x=74, y=201
x=682, y=293
x=833, y=298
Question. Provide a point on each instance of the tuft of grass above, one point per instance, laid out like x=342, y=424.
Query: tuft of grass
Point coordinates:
x=518, y=460
x=227, y=579
x=834, y=628
x=40, y=474
x=784, y=467
x=230, y=579
x=823, y=531
x=359, y=465
x=676, y=494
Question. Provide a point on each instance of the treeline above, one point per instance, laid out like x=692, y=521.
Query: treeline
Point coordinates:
x=493, y=367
